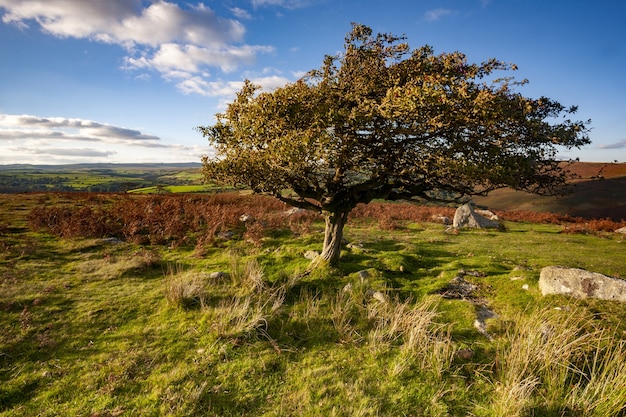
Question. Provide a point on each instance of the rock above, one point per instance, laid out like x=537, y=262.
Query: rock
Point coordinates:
x=112, y=240
x=246, y=218
x=465, y=216
x=311, y=254
x=293, y=210
x=487, y=214
x=364, y=274
x=472, y=273
x=459, y=289
x=355, y=245
x=226, y=235
x=482, y=314
x=219, y=275
x=440, y=218
x=580, y=283
x=464, y=354
x=621, y=230
x=378, y=296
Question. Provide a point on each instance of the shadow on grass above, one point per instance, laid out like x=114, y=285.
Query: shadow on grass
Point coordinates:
x=16, y=395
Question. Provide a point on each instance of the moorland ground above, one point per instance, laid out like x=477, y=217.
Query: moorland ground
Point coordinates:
x=113, y=304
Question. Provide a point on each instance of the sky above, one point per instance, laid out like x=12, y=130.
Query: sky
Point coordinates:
x=122, y=81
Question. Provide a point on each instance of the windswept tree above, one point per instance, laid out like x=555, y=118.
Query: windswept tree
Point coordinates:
x=382, y=121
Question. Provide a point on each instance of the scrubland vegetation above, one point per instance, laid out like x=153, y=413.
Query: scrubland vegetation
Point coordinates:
x=187, y=305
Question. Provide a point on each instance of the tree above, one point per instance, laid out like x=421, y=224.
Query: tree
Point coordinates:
x=380, y=121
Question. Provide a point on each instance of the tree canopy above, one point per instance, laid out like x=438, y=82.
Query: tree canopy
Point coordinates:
x=382, y=121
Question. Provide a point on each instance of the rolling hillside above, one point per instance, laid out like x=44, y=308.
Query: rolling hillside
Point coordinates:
x=600, y=192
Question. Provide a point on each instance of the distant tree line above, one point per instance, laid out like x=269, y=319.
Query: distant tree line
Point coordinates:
x=20, y=184
x=16, y=184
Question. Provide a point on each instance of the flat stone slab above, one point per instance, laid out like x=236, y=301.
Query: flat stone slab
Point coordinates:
x=580, y=283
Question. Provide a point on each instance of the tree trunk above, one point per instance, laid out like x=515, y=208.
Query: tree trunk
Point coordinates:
x=333, y=236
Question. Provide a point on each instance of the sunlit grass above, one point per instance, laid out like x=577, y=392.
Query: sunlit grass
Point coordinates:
x=103, y=327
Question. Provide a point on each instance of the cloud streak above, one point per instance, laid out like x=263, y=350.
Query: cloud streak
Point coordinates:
x=617, y=145
x=287, y=4
x=437, y=14
x=180, y=43
x=67, y=140
x=25, y=126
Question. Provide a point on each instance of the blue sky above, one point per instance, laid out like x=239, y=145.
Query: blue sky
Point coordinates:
x=129, y=80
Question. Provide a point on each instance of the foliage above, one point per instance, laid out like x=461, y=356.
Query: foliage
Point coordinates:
x=381, y=121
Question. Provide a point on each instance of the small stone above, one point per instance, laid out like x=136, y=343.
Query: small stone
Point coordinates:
x=379, y=296
x=112, y=240
x=464, y=354
x=246, y=218
x=355, y=245
x=219, y=275
x=440, y=218
x=525, y=287
x=311, y=254
x=226, y=235
x=293, y=210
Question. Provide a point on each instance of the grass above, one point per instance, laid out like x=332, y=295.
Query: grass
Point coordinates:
x=97, y=327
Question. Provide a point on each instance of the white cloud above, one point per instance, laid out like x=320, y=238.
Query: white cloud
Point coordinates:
x=52, y=140
x=271, y=82
x=179, y=61
x=228, y=89
x=179, y=42
x=125, y=21
x=241, y=13
x=436, y=14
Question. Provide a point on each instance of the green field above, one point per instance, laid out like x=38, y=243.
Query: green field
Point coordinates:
x=102, y=178
x=91, y=326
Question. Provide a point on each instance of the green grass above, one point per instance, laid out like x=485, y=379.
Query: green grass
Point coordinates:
x=98, y=328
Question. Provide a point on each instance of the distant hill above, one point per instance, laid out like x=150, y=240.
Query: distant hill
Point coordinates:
x=599, y=192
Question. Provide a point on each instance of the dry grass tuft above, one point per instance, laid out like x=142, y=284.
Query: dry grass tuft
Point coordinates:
x=185, y=289
x=560, y=358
